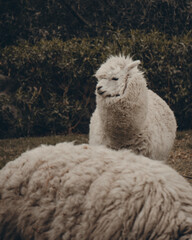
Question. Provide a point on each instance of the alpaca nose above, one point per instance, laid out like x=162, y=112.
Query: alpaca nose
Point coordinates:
x=100, y=91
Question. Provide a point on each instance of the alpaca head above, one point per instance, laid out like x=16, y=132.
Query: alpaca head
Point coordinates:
x=113, y=76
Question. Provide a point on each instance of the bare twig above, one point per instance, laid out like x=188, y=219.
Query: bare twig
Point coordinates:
x=77, y=15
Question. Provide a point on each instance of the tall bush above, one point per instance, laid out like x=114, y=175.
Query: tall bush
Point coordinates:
x=35, y=19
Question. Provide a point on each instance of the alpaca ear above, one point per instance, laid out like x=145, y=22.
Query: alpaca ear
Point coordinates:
x=133, y=64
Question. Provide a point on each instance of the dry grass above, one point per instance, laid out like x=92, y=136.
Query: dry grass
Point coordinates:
x=180, y=158
x=12, y=148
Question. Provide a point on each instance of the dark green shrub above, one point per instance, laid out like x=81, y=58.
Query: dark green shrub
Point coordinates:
x=56, y=87
x=55, y=83
x=9, y=116
x=32, y=20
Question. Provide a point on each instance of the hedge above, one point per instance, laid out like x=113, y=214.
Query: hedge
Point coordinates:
x=51, y=86
x=34, y=19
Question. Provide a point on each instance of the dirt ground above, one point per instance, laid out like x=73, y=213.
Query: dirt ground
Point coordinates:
x=181, y=155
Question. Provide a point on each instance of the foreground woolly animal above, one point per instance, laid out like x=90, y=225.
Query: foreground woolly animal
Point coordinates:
x=92, y=193
x=128, y=114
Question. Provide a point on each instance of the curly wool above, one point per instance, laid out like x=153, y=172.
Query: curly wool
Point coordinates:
x=128, y=114
x=91, y=193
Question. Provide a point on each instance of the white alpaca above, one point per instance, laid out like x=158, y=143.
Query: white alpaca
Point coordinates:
x=128, y=114
x=92, y=192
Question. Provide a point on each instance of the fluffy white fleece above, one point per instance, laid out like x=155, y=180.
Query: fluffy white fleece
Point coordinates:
x=128, y=114
x=91, y=193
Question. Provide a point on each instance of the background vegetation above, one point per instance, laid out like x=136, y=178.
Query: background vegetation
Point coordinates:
x=31, y=19
x=49, y=50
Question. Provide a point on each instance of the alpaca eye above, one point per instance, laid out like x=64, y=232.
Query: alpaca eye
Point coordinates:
x=115, y=79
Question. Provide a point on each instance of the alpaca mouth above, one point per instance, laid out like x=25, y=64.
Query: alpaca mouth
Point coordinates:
x=116, y=95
